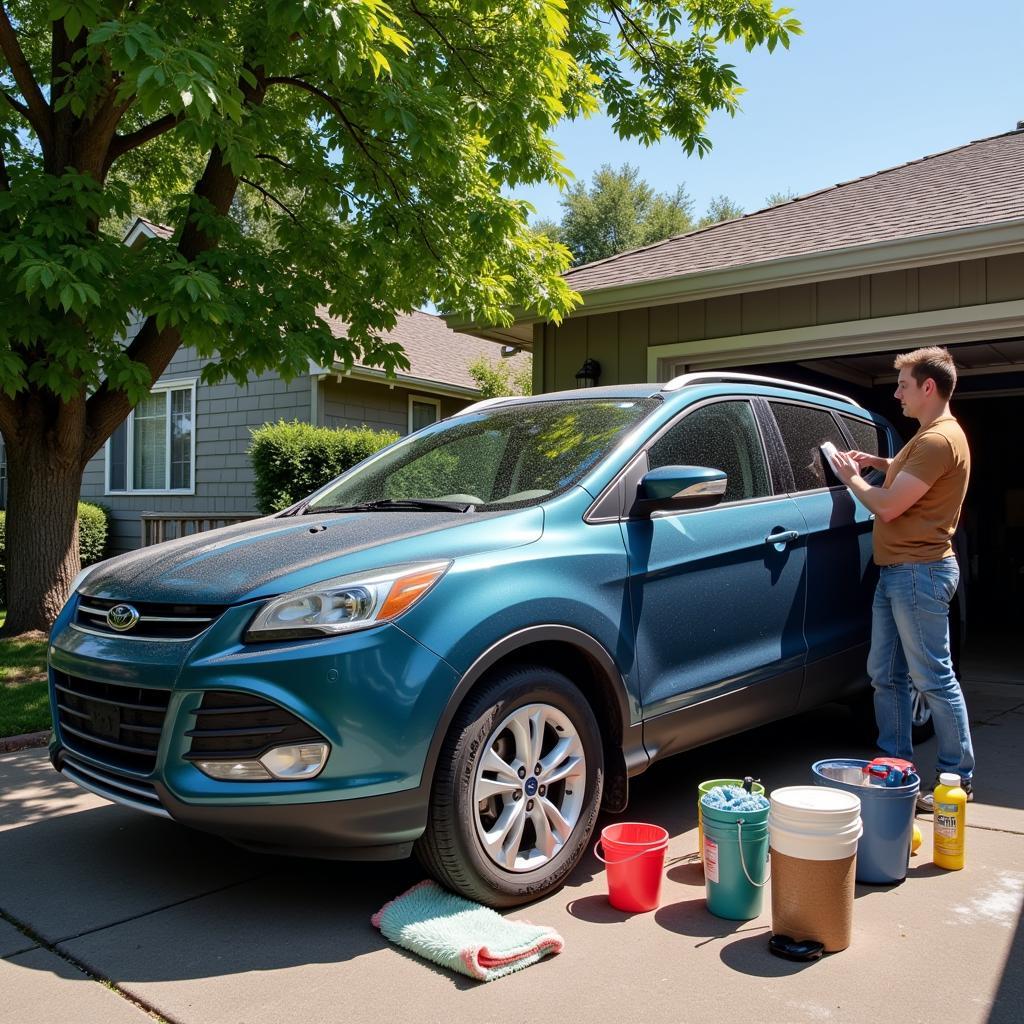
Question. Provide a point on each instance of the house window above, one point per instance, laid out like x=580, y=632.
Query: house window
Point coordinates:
x=423, y=412
x=154, y=449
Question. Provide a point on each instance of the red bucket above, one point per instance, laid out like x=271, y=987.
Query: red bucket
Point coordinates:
x=634, y=854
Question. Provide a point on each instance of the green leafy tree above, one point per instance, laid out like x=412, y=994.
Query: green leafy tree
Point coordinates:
x=375, y=142
x=498, y=379
x=777, y=198
x=619, y=211
x=720, y=208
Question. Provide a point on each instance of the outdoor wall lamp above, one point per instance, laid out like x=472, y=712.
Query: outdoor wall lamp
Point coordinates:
x=587, y=375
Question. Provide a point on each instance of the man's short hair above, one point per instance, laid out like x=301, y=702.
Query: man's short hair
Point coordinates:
x=932, y=362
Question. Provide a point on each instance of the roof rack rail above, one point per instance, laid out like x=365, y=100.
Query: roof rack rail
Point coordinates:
x=485, y=403
x=725, y=377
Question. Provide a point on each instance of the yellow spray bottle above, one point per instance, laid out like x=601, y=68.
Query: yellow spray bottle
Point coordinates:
x=950, y=823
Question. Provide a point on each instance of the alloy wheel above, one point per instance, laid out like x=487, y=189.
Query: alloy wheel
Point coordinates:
x=529, y=787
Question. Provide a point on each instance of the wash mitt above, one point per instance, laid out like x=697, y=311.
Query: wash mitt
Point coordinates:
x=735, y=798
x=461, y=935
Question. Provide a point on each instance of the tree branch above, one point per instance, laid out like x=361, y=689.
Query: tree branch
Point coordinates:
x=19, y=107
x=301, y=83
x=452, y=49
x=269, y=195
x=122, y=144
x=37, y=110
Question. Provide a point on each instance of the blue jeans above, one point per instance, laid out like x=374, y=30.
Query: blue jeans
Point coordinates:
x=910, y=647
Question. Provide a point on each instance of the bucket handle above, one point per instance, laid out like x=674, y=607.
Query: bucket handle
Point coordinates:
x=635, y=856
x=743, y=863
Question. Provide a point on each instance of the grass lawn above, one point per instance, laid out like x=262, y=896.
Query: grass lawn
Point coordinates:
x=24, y=703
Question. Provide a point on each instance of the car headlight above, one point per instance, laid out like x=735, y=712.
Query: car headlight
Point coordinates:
x=345, y=603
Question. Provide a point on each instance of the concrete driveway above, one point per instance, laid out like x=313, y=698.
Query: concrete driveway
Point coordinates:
x=112, y=917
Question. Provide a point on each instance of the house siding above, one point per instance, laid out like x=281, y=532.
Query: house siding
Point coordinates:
x=620, y=341
x=224, y=480
x=354, y=403
x=225, y=415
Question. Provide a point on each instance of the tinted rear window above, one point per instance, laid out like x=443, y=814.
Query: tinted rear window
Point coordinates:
x=804, y=430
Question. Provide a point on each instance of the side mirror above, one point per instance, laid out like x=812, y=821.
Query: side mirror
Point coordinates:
x=674, y=488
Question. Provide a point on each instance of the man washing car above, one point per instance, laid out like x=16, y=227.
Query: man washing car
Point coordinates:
x=917, y=509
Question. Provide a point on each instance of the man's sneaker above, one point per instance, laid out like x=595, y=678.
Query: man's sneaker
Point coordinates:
x=926, y=798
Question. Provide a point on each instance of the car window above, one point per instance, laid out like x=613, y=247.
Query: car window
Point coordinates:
x=867, y=437
x=804, y=430
x=502, y=457
x=723, y=436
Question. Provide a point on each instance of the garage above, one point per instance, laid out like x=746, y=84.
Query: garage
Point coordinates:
x=989, y=403
x=826, y=289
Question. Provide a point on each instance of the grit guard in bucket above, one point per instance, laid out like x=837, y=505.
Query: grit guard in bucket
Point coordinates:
x=813, y=833
x=735, y=849
x=634, y=854
x=887, y=813
x=706, y=787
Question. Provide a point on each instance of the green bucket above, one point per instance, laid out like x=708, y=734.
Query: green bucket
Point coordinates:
x=735, y=861
x=706, y=787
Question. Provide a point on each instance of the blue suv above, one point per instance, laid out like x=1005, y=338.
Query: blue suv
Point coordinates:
x=467, y=644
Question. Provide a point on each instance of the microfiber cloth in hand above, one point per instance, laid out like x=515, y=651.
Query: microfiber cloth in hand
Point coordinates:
x=461, y=935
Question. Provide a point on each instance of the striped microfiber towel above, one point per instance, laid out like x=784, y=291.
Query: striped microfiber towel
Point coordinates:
x=461, y=935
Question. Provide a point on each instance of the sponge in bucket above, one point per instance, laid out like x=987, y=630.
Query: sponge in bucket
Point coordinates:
x=735, y=798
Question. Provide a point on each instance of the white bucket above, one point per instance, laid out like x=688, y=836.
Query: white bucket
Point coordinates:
x=814, y=822
x=813, y=833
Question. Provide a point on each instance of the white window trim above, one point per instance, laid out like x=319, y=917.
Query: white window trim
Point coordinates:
x=163, y=386
x=423, y=400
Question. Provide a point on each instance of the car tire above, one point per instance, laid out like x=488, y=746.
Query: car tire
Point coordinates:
x=498, y=830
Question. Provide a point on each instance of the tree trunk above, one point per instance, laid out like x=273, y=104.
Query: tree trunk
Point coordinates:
x=41, y=544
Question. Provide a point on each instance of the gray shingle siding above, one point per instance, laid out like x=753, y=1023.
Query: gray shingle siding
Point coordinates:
x=224, y=480
x=224, y=415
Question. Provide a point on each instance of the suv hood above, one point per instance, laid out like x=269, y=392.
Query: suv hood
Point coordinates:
x=265, y=557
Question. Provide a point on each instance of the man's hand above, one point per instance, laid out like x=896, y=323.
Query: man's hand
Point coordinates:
x=846, y=466
x=865, y=461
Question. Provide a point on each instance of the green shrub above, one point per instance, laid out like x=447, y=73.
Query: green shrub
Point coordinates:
x=291, y=460
x=93, y=522
x=93, y=525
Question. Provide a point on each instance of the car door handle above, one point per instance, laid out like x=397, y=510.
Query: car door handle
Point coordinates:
x=782, y=537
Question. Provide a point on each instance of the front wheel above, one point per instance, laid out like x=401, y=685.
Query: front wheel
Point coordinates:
x=517, y=790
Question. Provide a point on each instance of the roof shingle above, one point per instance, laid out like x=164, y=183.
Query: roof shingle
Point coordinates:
x=435, y=352
x=972, y=185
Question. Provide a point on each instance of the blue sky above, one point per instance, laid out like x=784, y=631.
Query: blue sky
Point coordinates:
x=870, y=84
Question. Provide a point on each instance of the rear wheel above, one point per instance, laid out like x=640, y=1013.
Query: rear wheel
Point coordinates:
x=517, y=789
x=862, y=707
x=922, y=725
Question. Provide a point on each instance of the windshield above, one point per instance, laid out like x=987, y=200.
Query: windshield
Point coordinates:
x=498, y=458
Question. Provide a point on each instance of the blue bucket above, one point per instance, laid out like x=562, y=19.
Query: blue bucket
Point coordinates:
x=887, y=813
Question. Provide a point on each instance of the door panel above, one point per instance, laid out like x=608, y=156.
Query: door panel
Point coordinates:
x=716, y=605
x=840, y=572
x=718, y=594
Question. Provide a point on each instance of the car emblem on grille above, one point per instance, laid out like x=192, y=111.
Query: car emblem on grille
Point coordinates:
x=122, y=617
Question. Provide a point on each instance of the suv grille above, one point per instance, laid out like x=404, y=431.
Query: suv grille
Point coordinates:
x=238, y=725
x=113, y=785
x=156, y=621
x=116, y=725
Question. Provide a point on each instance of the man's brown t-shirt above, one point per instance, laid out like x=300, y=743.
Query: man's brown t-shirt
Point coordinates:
x=938, y=456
